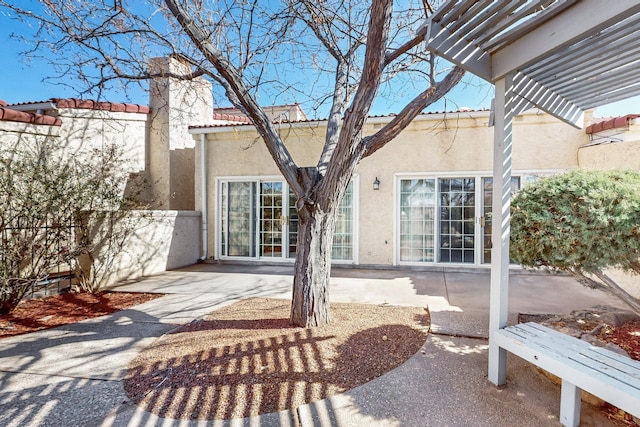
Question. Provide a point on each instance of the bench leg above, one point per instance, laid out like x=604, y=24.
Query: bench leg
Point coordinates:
x=497, y=364
x=570, y=401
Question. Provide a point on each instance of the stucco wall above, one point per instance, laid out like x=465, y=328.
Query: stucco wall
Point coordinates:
x=94, y=128
x=433, y=144
x=87, y=129
x=615, y=155
x=175, y=106
x=615, y=148
x=445, y=146
x=151, y=242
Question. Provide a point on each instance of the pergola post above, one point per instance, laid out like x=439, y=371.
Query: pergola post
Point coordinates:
x=500, y=232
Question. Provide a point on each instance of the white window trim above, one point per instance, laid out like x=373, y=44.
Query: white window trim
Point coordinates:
x=219, y=180
x=479, y=238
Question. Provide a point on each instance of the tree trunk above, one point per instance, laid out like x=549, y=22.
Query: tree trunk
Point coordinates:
x=316, y=222
x=616, y=290
x=310, y=303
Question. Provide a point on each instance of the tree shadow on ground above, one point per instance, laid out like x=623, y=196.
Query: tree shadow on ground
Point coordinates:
x=239, y=374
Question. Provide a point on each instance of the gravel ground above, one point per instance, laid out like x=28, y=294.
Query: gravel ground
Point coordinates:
x=245, y=359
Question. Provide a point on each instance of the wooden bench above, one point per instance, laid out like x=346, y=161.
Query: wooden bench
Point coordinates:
x=581, y=366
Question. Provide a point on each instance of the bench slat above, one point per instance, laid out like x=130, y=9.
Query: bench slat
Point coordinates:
x=594, y=357
x=551, y=352
x=597, y=357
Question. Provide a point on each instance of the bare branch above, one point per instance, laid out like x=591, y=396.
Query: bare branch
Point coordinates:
x=415, y=41
x=374, y=142
x=235, y=85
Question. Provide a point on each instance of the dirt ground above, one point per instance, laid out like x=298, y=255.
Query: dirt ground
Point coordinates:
x=246, y=360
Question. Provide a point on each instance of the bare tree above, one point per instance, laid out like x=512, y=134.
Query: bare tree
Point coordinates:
x=347, y=49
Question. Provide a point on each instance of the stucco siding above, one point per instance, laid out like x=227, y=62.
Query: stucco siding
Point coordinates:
x=616, y=155
x=451, y=145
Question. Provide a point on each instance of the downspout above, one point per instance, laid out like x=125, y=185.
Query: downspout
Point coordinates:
x=203, y=188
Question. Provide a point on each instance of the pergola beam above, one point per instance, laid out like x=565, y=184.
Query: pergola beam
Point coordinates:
x=568, y=27
x=471, y=58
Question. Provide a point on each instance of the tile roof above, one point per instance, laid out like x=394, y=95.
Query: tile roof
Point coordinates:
x=612, y=123
x=9, y=115
x=105, y=106
x=17, y=113
x=391, y=115
x=231, y=118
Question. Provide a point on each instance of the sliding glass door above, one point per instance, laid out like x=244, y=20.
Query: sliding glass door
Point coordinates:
x=258, y=219
x=417, y=220
x=271, y=220
x=445, y=219
x=457, y=220
x=238, y=219
x=486, y=219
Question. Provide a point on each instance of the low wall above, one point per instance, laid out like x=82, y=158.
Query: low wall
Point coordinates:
x=144, y=243
x=615, y=155
x=630, y=282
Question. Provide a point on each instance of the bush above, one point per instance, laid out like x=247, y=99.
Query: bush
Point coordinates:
x=580, y=221
x=47, y=195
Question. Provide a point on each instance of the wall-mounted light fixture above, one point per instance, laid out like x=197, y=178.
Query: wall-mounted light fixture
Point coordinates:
x=376, y=184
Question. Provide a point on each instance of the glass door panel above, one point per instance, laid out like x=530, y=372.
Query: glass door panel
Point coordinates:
x=342, y=248
x=486, y=219
x=457, y=220
x=293, y=226
x=259, y=219
x=271, y=219
x=417, y=220
x=238, y=230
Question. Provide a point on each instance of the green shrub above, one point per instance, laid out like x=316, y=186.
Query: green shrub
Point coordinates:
x=579, y=221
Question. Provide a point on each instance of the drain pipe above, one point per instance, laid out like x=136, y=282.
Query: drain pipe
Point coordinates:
x=203, y=195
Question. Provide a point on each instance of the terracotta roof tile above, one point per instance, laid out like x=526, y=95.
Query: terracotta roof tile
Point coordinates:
x=231, y=117
x=104, y=106
x=87, y=104
x=612, y=123
x=7, y=114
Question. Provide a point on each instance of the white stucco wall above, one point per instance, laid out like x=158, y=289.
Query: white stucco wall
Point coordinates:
x=151, y=242
x=616, y=148
x=96, y=128
x=87, y=129
x=614, y=155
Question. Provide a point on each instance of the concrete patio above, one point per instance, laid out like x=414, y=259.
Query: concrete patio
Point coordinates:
x=73, y=375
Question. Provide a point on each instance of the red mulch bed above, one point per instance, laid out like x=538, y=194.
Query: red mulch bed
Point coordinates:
x=57, y=310
x=626, y=336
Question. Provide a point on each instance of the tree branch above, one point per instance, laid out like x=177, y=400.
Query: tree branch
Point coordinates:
x=236, y=89
x=415, y=41
x=375, y=142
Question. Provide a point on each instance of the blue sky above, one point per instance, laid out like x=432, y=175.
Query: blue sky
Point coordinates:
x=22, y=79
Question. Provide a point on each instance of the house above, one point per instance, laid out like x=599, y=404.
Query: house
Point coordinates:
x=424, y=200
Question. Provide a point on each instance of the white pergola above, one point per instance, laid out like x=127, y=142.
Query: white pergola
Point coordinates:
x=561, y=56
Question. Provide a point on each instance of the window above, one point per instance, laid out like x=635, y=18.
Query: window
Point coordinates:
x=257, y=221
x=417, y=220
